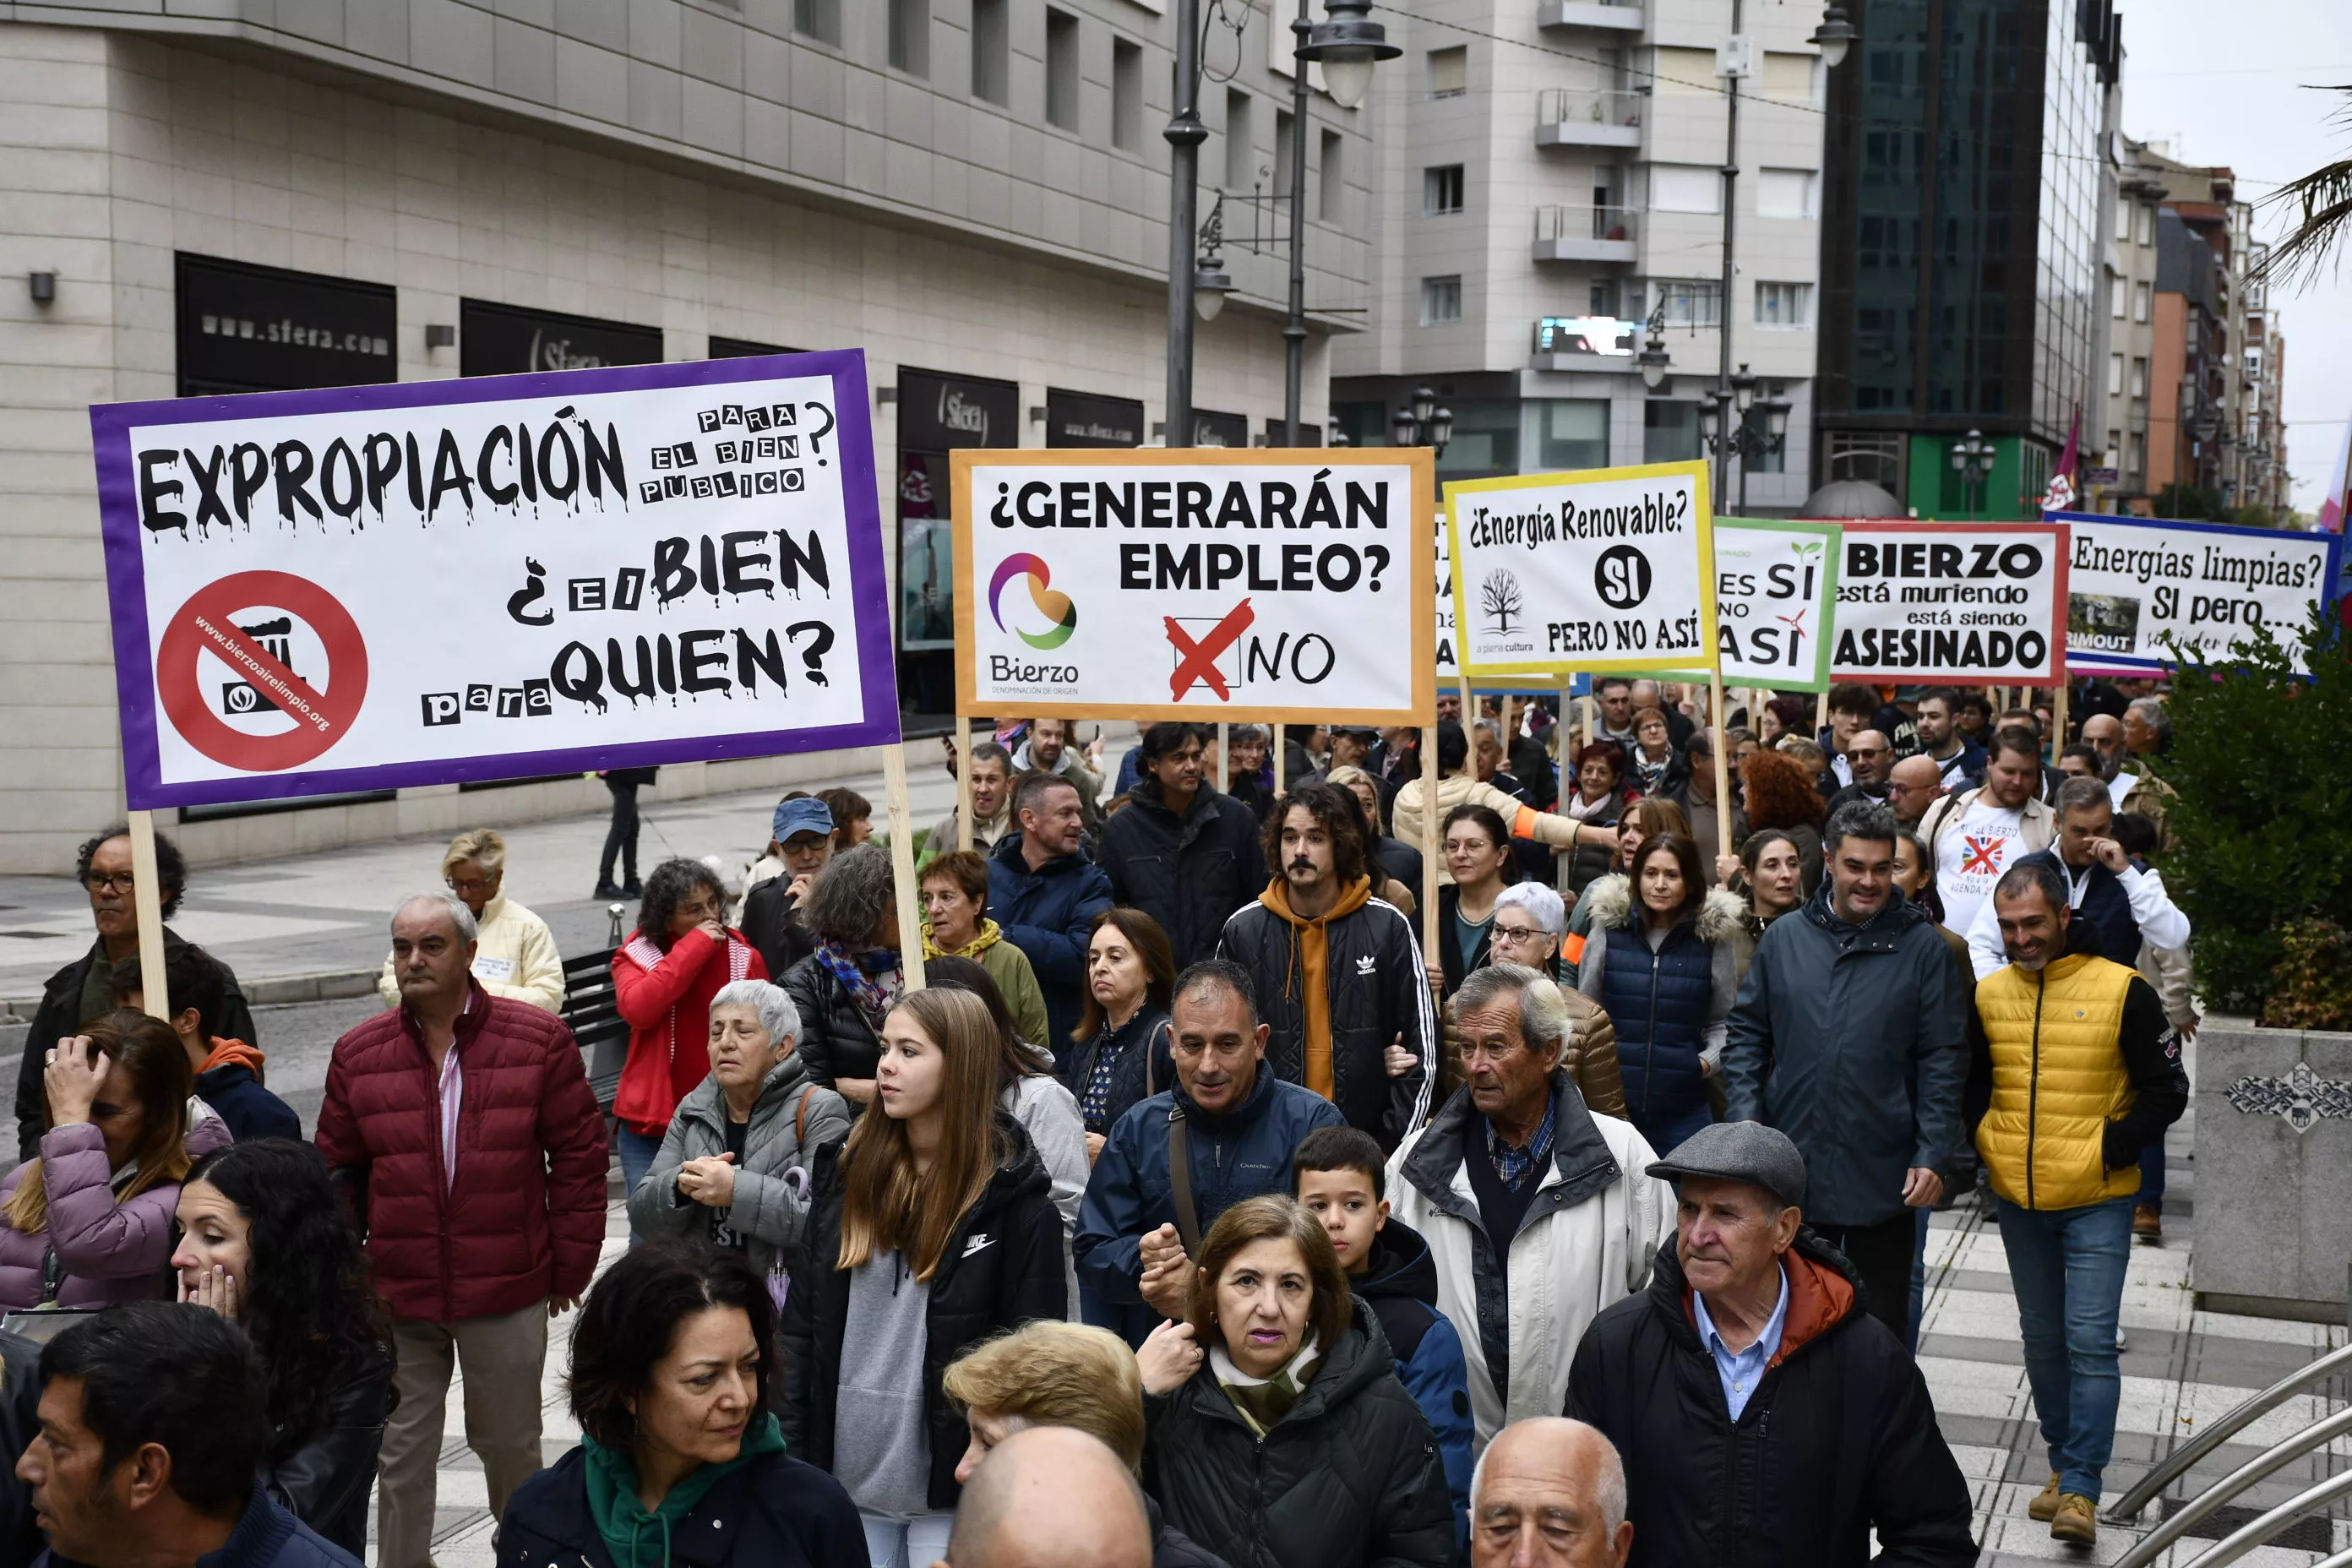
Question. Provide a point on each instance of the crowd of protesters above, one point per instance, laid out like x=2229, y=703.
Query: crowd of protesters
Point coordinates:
x=1161, y=1200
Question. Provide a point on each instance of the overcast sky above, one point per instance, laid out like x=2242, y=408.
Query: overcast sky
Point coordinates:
x=2224, y=84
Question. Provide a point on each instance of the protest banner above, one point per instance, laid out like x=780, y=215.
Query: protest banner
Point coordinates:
x=2140, y=588
x=1449, y=668
x=1600, y=571
x=1236, y=585
x=1775, y=605
x=1980, y=603
x=437, y=582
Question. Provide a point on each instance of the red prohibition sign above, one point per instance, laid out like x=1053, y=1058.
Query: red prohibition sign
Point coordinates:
x=203, y=626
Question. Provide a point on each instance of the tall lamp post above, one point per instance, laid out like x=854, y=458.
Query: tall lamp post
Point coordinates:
x=1972, y=460
x=1346, y=47
x=1422, y=423
x=1725, y=427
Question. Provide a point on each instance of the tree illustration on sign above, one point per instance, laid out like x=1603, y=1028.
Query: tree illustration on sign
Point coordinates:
x=1498, y=595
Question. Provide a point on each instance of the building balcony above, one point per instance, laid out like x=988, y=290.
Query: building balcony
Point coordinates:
x=1617, y=15
x=1579, y=117
x=1603, y=343
x=1585, y=234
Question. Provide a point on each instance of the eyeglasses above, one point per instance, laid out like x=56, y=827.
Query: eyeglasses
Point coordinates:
x=1517, y=934
x=471, y=884
x=111, y=881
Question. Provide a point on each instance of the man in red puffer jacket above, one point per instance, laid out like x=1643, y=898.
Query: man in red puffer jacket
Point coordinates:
x=463, y=1126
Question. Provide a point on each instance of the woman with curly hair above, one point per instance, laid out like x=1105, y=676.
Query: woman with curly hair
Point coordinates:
x=265, y=1243
x=663, y=977
x=849, y=986
x=1780, y=793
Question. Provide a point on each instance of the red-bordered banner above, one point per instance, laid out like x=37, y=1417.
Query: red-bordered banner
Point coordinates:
x=1973, y=602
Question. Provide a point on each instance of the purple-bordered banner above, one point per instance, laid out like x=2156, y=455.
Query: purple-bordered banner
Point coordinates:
x=500, y=577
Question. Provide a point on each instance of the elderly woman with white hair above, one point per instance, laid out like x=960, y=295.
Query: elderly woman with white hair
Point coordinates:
x=515, y=955
x=733, y=1168
x=1530, y=922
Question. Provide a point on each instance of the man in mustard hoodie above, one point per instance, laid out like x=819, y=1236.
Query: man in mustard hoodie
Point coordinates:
x=1338, y=971
x=2074, y=1070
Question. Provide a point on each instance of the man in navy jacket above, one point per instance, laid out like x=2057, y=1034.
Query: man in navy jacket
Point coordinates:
x=1044, y=895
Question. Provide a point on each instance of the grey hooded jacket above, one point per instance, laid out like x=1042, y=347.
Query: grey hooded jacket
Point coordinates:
x=770, y=1212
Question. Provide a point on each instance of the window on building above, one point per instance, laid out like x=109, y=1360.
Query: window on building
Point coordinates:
x=1331, y=188
x=2122, y=221
x=1284, y=135
x=1686, y=188
x=2135, y=450
x=1126, y=96
x=2115, y=289
x=1872, y=458
x=2144, y=217
x=1601, y=298
x=1690, y=302
x=1669, y=431
x=2139, y=303
x=910, y=37
x=1061, y=69
x=2114, y=375
x=818, y=19
x=1683, y=73
x=2113, y=457
x=1571, y=433
x=992, y=51
x=1241, y=157
x=2140, y=378
x=1449, y=71
x=1441, y=299
x=1789, y=78
x=1787, y=193
x=1485, y=439
x=1787, y=307
x=1441, y=189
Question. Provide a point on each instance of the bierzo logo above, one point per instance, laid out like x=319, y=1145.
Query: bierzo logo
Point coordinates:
x=1054, y=607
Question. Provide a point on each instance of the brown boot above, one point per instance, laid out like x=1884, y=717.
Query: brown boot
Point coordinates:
x=2044, y=1506
x=2076, y=1521
x=2147, y=1222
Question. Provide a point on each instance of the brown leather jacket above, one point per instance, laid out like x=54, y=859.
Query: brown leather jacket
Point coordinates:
x=1590, y=1058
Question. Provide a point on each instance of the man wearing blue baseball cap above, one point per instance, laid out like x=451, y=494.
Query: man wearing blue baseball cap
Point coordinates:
x=800, y=845
x=1752, y=1355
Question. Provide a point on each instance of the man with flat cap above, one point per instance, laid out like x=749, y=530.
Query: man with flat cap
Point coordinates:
x=1764, y=1419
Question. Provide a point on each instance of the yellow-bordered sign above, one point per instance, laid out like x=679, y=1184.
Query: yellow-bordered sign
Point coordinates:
x=1275, y=586
x=1598, y=570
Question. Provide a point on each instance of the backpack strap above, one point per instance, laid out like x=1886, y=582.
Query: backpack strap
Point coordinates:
x=1180, y=1181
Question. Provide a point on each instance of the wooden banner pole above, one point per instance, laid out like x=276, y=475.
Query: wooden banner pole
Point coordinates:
x=1822, y=714
x=1723, y=845
x=146, y=898
x=1281, y=747
x=902, y=855
x=2058, y=721
x=1469, y=704
x=967, y=834
x=1592, y=713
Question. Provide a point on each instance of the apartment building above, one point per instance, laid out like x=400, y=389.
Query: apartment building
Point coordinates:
x=972, y=191
x=1550, y=179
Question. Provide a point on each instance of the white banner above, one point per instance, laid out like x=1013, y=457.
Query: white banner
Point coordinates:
x=1597, y=571
x=1974, y=602
x=493, y=578
x=1263, y=585
x=2136, y=587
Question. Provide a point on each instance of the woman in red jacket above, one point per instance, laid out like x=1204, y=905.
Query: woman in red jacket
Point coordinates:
x=663, y=977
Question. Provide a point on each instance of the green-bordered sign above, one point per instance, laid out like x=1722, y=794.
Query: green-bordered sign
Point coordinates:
x=1775, y=603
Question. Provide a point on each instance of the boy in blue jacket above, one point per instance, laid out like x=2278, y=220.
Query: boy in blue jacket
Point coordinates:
x=1340, y=1178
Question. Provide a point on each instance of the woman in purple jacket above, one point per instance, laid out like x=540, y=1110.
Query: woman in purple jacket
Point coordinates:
x=88, y=1222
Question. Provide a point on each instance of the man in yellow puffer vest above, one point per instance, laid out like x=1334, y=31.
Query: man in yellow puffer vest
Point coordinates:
x=2074, y=1068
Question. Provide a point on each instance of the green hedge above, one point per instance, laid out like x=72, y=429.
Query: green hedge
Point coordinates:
x=2262, y=761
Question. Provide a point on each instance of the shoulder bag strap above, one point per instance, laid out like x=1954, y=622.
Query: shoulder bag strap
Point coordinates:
x=1180, y=1180
x=800, y=1123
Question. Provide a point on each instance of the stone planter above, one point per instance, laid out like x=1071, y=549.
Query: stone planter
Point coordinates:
x=2274, y=1171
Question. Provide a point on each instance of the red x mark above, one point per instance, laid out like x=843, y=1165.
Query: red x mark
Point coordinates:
x=1980, y=854
x=1198, y=660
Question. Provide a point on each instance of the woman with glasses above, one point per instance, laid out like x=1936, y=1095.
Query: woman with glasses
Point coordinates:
x=1530, y=924
x=515, y=954
x=1477, y=849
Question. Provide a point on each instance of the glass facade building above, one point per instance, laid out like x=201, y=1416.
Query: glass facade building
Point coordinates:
x=1960, y=239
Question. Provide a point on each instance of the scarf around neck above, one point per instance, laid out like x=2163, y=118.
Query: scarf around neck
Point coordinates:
x=991, y=934
x=1264, y=1401
x=873, y=979
x=1313, y=940
x=636, y=1538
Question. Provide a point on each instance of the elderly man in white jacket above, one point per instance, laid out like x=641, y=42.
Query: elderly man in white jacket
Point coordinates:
x=515, y=954
x=1515, y=1155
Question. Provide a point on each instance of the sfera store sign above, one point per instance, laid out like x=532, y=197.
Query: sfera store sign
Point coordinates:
x=263, y=328
x=1952, y=602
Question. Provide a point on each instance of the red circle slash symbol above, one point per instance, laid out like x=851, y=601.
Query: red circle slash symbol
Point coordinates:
x=204, y=625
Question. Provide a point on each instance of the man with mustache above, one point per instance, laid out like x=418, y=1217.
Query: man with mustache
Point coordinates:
x=1338, y=971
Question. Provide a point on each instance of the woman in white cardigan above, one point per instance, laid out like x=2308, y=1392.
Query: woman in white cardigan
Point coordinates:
x=514, y=955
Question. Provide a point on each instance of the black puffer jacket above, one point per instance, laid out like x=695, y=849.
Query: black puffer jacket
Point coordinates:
x=774, y=1512
x=1377, y=991
x=772, y=922
x=1003, y=1267
x=1187, y=872
x=837, y=1042
x=1839, y=1437
x=1349, y=1478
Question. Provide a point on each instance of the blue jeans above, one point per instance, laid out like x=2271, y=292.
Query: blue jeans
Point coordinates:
x=2152, y=1175
x=2067, y=1268
x=636, y=1152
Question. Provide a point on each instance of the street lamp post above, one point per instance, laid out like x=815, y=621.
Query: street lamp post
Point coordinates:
x=1346, y=45
x=1972, y=460
x=1422, y=423
x=1723, y=426
x=1184, y=133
